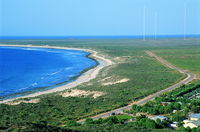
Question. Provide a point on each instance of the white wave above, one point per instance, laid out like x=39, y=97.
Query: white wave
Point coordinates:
x=20, y=89
x=25, y=48
x=68, y=68
x=55, y=73
x=72, y=75
x=74, y=53
x=34, y=84
x=52, y=51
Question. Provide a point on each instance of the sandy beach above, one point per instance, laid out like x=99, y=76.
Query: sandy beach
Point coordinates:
x=85, y=77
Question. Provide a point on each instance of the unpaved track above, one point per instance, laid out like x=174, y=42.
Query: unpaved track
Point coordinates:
x=189, y=78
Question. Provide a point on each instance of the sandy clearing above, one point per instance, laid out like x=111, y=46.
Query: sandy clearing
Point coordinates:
x=116, y=82
x=121, y=59
x=104, y=79
x=80, y=93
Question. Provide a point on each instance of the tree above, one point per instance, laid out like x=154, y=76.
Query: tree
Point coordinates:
x=144, y=109
x=99, y=121
x=180, y=124
x=138, y=118
x=195, y=109
x=134, y=107
x=161, y=109
x=112, y=120
x=178, y=116
x=154, y=111
x=177, y=106
x=72, y=123
x=159, y=123
x=89, y=121
x=168, y=109
x=195, y=129
x=150, y=124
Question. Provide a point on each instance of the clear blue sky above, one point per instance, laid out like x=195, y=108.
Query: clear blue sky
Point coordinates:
x=96, y=17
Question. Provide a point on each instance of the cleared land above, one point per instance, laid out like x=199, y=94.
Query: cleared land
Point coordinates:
x=145, y=75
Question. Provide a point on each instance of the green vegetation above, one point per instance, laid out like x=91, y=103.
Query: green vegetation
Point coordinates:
x=145, y=75
x=184, y=90
x=123, y=117
x=171, y=101
x=186, y=58
x=175, y=105
x=140, y=122
x=114, y=123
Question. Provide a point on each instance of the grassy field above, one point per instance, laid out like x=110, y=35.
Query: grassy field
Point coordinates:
x=145, y=76
x=185, y=58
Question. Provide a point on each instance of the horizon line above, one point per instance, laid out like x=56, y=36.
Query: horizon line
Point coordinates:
x=97, y=36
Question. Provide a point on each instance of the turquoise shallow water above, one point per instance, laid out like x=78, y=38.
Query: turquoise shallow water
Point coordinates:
x=24, y=70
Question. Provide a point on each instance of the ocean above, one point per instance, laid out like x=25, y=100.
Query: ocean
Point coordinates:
x=26, y=70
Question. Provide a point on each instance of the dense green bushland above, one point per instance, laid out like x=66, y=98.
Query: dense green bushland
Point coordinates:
x=174, y=100
x=175, y=105
x=184, y=90
x=145, y=75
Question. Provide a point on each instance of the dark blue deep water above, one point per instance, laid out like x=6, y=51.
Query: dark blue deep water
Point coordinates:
x=30, y=69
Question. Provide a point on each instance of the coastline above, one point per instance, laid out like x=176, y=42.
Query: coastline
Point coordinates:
x=84, y=77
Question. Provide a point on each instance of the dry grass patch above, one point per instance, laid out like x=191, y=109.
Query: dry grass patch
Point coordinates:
x=81, y=93
x=121, y=59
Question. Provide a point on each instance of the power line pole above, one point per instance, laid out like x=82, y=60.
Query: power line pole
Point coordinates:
x=185, y=17
x=144, y=23
x=155, y=25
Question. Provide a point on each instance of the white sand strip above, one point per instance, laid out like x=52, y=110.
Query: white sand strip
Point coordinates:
x=85, y=77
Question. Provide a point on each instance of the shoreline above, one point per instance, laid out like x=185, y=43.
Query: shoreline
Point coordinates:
x=84, y=77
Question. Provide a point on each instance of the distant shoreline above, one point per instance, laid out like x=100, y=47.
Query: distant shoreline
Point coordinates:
x=84, y=77
x=101, y=37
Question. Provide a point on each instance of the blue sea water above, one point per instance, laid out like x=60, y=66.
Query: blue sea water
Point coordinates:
x=27, y=69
